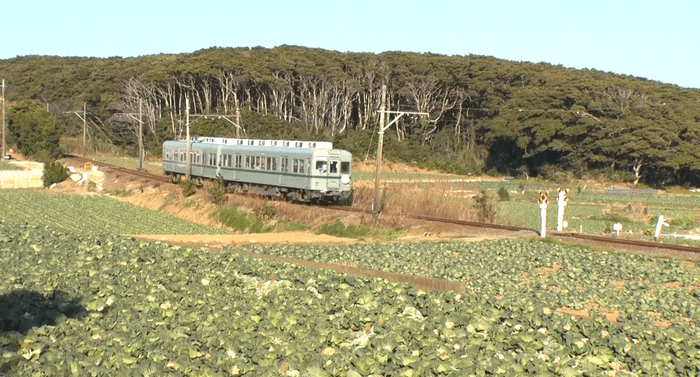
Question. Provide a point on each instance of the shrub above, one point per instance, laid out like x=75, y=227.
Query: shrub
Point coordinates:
x=187, y=187
x=504, y=194
x=54, y=172
x=240, y=221
x=338, y=229
x=218, y=191
x=265, y=212
x=484, y=207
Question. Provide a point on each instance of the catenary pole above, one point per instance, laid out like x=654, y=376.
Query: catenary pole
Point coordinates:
x=376, y=206
x=187, y=139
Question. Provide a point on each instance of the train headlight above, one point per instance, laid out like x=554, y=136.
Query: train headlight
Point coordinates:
x=345, y=179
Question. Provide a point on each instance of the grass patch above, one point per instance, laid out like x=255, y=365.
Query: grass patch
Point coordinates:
x=388, y=234
x=338, y=229
x=155, y=166
x=683, y=221
x=187, y=204
x=615, y=218
x=240, y=221
x=121, y=192
x=7, y=166
x=288, y=226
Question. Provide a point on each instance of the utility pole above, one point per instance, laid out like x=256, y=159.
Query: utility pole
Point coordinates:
x=187, y=139
x=4, y=147
x=238, y=115
x=142, y=150
x=376, y=206
x=84, y=127
x=142, y=154
x=84, y=119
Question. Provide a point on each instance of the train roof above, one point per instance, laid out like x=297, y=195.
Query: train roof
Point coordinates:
x=286, y=144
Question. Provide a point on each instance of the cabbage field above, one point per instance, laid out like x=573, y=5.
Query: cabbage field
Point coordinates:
x=644, y=290
x=116, y=306
x=94, y=213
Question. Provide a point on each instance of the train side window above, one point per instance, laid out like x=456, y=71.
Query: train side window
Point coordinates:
x=274, y=163
x=247, y=162
x=295, y=168
x=269, y=163
x=334, y=167
x=344, y=167
x=238, y=161
x=301, y=166
x=229, y=161
x=283, y=164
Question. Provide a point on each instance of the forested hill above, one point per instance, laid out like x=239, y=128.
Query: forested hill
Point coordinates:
x=485, y=113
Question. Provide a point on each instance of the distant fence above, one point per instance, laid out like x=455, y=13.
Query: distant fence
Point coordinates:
x=20, y=179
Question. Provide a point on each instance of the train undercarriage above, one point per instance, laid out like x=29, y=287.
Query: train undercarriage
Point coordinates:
x=277, y=192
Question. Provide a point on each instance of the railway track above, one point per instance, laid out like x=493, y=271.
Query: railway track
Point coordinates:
x=562, y=235
x=137, y=173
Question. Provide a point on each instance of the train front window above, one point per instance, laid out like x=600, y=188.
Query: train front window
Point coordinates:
x=334, y=167
x=321, y=166
x=345, y=167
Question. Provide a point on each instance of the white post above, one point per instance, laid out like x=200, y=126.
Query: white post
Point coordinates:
x=659, y=223
x=561, y=203
x=617, y=227
x=543, y=212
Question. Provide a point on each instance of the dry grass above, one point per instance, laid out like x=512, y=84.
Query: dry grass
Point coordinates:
x=401, y=200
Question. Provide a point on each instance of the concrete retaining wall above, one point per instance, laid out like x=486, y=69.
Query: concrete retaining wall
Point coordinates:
x=20, y=179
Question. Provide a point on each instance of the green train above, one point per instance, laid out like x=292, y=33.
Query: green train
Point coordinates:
x=301, y=171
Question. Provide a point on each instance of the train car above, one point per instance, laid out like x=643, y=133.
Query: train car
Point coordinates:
x=304, y=171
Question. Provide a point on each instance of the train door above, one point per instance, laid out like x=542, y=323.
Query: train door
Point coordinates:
x=237, y=164
x=333, y=172
x=284, y=171
x=218, y=161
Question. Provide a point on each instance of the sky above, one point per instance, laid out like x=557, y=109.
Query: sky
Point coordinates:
x=657, y=40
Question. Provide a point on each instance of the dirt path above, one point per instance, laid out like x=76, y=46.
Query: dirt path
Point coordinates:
x=218, y=241
x=221, y=240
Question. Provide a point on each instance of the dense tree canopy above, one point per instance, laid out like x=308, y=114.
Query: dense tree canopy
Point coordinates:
x=484, y=112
